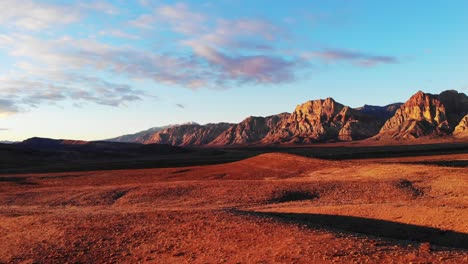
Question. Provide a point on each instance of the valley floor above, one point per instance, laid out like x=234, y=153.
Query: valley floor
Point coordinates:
x=272, y=208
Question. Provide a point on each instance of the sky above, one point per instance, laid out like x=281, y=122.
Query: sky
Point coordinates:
x=98, y=69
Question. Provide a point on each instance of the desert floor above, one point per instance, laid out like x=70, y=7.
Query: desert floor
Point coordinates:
x=272, y=208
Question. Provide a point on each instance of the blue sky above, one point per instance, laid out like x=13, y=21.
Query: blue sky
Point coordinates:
x=98, y=69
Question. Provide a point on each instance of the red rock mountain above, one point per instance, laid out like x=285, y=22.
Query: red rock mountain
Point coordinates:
x=251, y=130
x=426, y=115
x=313, y=121
x=325, y=120
x=461, y=130
x=186, y=135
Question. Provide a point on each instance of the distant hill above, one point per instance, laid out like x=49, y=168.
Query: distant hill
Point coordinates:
x=141, y=136
x=7, y=142
x=104, y=148
x=384, y=112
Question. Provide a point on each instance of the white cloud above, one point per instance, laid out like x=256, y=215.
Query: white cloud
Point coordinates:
x=30, y=15
x=356, y=57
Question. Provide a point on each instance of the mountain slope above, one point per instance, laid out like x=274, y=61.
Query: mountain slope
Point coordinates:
x=426, y=114
x=461, y=130
x=324, y=120
x=140, y=136
x=186, y=135
x=250, y=130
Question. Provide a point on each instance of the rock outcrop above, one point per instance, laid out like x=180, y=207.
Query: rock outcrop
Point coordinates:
x=461, y=130
x=186, y=135
x=324, y=120
x=143, y=135
x=426, y=114
x=251, y=130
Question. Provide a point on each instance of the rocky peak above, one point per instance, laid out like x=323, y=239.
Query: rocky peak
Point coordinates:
x=426, y=114
x=461, y=130
x=324, y=108
x=323, y=120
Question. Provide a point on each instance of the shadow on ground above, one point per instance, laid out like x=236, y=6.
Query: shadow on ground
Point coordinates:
x=374, y=227
x=444, y=163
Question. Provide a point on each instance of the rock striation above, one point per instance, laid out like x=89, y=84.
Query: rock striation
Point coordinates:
x=251, y=130
x=426, y=115
x=186, y=135
x=461, y=130
x=142, y=135
x=324, y=120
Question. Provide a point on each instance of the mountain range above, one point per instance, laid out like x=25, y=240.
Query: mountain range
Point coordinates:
x=424, y=115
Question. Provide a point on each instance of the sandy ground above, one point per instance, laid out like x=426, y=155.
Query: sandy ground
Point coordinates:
x=273, y=208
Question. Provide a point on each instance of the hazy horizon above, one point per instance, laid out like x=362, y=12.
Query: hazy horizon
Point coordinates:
x=93, y=70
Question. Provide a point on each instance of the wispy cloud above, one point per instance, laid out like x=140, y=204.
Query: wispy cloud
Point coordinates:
x=7, y=107
x=225, y=52
x=177, y=17
x=355, y=57
x=67, y=54
x=204, y=51
x=100, y=6
x=33, y=93
x=31, y=15
x=258, y=68
x=249, y=34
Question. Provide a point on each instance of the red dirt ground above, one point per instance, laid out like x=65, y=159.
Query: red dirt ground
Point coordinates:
x=273, y=208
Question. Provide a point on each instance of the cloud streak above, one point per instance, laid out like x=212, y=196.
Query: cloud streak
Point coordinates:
x=25, y=93
x=7, y=107
x=355, y=57
x=245, y=69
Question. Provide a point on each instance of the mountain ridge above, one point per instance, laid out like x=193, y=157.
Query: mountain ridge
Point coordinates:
x=426, y=115
x=325, y=120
